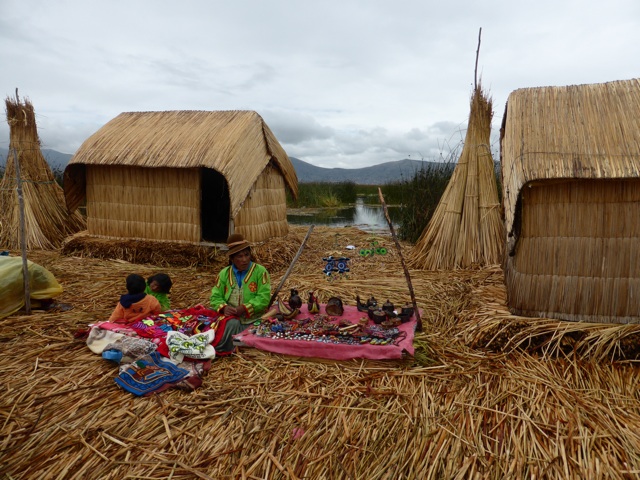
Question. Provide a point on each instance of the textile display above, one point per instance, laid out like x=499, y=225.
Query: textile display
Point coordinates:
x=148, y=350
x=323, y=336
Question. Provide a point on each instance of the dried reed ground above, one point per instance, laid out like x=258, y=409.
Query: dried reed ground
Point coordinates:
x=454, y=411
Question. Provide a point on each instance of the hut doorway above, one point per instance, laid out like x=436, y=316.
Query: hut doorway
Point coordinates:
x=215, y=206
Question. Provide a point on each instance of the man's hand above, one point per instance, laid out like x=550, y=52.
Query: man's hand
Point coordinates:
x=230, y=311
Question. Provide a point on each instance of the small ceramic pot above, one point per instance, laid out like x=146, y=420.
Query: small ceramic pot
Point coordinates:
x=388, y=307
x=407, y=310
x=379, y=316
x=334, y=307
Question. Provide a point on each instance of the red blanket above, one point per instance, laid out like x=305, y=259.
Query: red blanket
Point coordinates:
x=403, y=344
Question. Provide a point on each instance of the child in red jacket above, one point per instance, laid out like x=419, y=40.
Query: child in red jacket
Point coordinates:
x=135, y=305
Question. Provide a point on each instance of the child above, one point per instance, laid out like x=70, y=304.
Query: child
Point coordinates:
x=159, y=285
x=135, y=305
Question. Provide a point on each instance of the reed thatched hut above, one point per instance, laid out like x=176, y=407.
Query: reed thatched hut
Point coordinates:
x=571, y=166
x=46, y=221
x=466, y=229
x=182, y=176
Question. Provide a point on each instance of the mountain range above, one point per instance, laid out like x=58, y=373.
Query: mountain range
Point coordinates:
x=374, y=175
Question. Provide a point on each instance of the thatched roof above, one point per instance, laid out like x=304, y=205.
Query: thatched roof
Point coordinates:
x=571, y=132
x=46, y=220
x=466, y=228
x=238, y=144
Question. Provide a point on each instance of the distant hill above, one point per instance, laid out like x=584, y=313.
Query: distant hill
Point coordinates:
x=375, y=175
x=307, y=173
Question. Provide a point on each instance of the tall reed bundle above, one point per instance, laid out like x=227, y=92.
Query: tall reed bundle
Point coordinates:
x=463, y=412
x=466, y=228
x=46, y=219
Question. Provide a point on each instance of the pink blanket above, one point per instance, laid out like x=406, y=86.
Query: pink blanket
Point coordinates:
x=333, y=351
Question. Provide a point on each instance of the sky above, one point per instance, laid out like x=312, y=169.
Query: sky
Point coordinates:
x=341, y=83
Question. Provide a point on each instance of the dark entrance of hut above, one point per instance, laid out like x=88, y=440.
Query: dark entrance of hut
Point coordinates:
x=215, y=205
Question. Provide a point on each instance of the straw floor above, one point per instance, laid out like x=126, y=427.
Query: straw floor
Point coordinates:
x=487, y=395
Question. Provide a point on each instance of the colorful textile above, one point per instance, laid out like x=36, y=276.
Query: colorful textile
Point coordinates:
x=149, y=374
x=151, y=333
x=256, y=291
x=377, y=343
x=195, y=346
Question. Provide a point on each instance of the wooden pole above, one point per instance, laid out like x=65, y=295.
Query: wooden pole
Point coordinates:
x=404, y=267
x=23, y=239
x=475, y=72
x=293, y=262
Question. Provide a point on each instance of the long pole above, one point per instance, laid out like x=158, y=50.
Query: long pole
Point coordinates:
x=404, y=267
x=293, y=262
x=23, y=239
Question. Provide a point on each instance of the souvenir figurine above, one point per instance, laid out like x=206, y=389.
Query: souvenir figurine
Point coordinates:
x=312, y=304
x=294, y=300
x=362, y=307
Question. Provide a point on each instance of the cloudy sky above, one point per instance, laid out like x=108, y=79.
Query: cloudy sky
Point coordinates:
x=342, y=83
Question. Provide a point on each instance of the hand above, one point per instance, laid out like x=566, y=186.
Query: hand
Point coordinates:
x=230, y=311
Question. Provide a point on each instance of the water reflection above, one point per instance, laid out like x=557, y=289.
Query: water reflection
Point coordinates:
x=367, y=217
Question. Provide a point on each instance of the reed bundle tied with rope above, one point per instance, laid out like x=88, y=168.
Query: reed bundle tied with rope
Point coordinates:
x=466, y=228
x=46, y=219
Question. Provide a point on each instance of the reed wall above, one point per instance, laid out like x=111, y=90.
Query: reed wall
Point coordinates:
x=146, y=203
x=264, y=212
x=576, y=255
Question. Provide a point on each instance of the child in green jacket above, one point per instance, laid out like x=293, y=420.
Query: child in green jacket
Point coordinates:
x=159, y=286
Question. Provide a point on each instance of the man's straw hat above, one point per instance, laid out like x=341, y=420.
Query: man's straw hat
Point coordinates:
x=236, y=243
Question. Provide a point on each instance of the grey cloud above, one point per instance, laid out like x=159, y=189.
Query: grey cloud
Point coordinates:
x=341, y=83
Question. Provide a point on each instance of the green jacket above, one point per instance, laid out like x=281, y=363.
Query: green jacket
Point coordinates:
x=256, y=291
x=163, y=298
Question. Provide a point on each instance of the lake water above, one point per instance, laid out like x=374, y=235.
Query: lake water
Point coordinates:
x=368, y=217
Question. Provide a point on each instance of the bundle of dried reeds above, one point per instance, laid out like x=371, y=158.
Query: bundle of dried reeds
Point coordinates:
x=459, y=412
x=495, y=328
x=46, y=220
x=466, y=228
